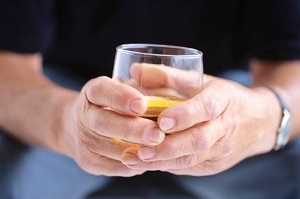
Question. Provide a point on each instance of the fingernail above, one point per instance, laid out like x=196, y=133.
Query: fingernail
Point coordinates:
x=166, y=123
x=146, y=153
x=130, y=159
x=138, y=106
x=153, y=135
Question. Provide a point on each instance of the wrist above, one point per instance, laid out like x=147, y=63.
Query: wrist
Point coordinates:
x=283, y=132
x=60, y=122
x=284, y=76
x=272, y=116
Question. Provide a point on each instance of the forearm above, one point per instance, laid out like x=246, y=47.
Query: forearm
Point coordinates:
x=285, y=78
x=31, y=106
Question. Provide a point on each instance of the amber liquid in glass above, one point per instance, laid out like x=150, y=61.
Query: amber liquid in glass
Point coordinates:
x=158, y=104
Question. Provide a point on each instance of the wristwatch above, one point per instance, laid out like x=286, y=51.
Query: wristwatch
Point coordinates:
x=284, y=127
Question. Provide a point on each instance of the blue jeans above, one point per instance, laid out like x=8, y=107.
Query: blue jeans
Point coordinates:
x=35, y=173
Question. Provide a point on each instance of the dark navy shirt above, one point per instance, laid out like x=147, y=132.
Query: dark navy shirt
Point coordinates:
x=82, y=35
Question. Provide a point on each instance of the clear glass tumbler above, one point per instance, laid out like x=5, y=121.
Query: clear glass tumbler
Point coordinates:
x=166, y=75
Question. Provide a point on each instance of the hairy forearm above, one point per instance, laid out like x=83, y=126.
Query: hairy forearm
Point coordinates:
x=30, y=105
x=285, y=78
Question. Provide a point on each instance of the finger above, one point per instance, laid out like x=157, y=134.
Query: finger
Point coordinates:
x=106, y=92
x=218, y=158
x=197, y=164
x=205, y=106
x=197, y=170
x=96, y=164
x=104, y=146
x=153, y=76
x=208, y=167
x=165, y=165
x=131, y=129
x=197, y=140
x=162, y=92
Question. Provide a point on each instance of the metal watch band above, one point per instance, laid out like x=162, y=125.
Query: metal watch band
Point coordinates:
x=284, y=127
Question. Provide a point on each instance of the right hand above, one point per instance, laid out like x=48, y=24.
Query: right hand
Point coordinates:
x=106, y=109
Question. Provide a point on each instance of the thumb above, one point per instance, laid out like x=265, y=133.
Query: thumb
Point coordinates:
x=205, y=106
x=154, y=76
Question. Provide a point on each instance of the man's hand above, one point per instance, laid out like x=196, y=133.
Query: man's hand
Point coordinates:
x=214, y=130
x=86, y=126
x=106, y=110
x=95, y=127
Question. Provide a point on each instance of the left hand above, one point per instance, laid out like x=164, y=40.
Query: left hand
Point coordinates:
x=212, y=131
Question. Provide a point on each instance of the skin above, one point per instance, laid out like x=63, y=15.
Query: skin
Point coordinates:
x=218, y=130
x=71, y=123
x=223, y=123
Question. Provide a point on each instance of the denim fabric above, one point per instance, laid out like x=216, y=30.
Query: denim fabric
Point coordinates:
x=276, y=176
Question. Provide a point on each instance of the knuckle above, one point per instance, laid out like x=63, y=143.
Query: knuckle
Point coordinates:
x=79, y=115
x=180, y=162
x=222, y=149
x=95, y=119
x=185, y=162
x=171, y=146
x=94, y=86
x=228, y=147
x=229, y=125
x=209, y=167
x=90, y=120
x=220, y=155
x=209, y=103
x=83, y=138
x=88, y=163
x=90, y=89
x=95, y=123
x=214, y=167
x=199, y=141
x=220, y=167
x=102, y=79
x=91, y=142
x=210, y=107
x=99, y=81
x=226, y=150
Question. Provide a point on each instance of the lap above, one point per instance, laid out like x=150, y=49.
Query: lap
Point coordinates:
x=275, y=175
x=34, y=173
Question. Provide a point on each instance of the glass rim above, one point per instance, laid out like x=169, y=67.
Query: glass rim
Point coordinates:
x=124, y=48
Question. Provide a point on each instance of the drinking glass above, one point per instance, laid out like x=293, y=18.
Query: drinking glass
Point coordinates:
x=166, y=75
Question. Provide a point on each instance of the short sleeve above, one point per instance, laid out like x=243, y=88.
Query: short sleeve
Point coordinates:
x=269, y=30
x=26, y=25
